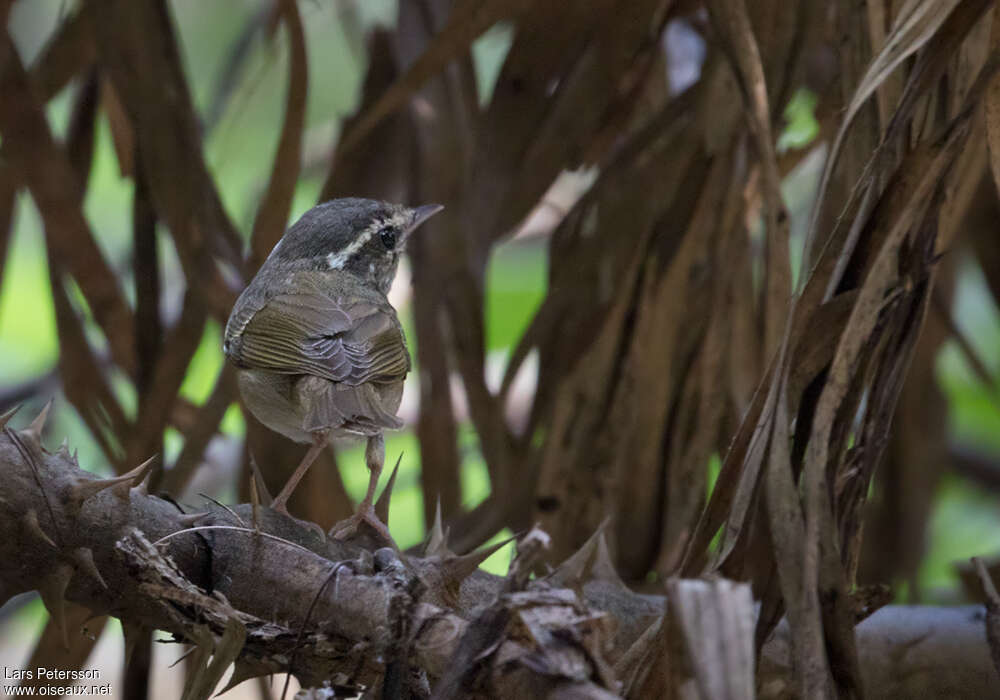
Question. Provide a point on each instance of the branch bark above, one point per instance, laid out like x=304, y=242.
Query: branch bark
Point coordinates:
x=349, y=611
x=359, y=614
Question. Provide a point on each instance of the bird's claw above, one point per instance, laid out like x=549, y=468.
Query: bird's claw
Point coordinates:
x=346, y=528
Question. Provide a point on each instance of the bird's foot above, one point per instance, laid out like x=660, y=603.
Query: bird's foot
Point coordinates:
x=346, y=528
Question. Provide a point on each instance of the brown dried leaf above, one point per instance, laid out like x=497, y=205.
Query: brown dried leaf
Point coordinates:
x=880, y=280
x=442, y=127
x=598, y=282
x=652, y=385
x=57, y=191
x=165, y=381
x=992, y=104
x=145, y=68
x=714, y=620
x=83, y=378
x=818, y=566
x=239, y=52
x=916, y=24
x=272, y=214
x=563, y=57
x=145, y=263
x=927, y=70
x=204, y=674
x=122, y=136
x=69, y=52
x=787, y=527
x=382, y=165
x=467, y=21
x=49, y=651
x=204, y=428
x=733, y=24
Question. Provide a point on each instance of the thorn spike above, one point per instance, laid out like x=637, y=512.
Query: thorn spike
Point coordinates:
x=36, y=426
x=140, y=473
x=437, y=540
x=8, y=414
x=34, y=528
x=142, y=488
x=53, y=593
x=265, y=495
x=577, y=568
x=382, y=504
x=84, y=489
x=254, y=503
x=134, y=478
x=603, y=568
x=244, y=671
x=87, y=488
x=189, y=519
x=458, y=568
x=84, y=558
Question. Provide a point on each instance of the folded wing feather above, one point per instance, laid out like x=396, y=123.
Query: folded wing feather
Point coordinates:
x=313, y=333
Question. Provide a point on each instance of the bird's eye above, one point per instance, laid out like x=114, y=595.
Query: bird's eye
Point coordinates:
x=388, y=236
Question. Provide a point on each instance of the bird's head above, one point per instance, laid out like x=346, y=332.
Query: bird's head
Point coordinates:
x=361, y=236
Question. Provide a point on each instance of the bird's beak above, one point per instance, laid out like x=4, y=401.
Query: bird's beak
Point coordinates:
x=420, y=215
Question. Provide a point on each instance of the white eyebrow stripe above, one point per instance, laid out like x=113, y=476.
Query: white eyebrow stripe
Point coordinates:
x=337, y=261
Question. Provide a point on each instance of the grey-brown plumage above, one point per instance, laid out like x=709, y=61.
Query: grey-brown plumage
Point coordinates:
x=320, y=351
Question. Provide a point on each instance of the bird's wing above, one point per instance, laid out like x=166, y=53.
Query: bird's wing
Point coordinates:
x=309, y=331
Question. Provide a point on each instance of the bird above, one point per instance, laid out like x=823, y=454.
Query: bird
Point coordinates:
x=319, y=351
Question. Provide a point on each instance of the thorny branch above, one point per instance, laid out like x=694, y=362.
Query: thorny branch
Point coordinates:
x=357, y=614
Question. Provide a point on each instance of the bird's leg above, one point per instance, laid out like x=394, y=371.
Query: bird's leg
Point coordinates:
x=319, y=442
x=374, y=459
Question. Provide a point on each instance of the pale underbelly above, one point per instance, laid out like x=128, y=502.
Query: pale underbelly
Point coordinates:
x=276, y=400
